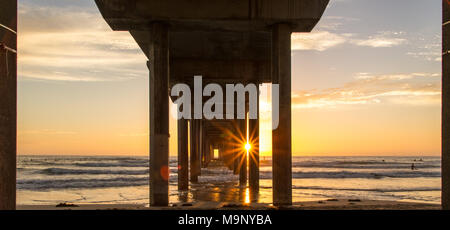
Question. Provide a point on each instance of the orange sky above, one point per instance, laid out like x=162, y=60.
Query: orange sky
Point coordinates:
x=356, y=89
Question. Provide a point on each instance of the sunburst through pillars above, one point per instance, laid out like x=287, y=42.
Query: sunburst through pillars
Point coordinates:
x=241, y=143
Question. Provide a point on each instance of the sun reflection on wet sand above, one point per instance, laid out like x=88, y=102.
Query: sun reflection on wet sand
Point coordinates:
x=222, y=192
x=247, y=195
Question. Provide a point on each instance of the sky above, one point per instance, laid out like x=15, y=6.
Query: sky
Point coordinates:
x=365, y=81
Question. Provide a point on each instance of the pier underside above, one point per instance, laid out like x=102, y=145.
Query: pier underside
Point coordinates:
x=225, y=42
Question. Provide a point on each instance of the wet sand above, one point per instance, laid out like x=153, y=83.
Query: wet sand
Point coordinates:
x=229, y=196
x=332, y=204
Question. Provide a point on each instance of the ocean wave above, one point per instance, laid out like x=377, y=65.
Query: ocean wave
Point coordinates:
x=405, y=189
x=349, y=174
x=63, y=171
x=411, y=189
x=263, y=174
x=361, y=164
x=41, y=184
x=367, y=164
x=112, y=164
x=102, y=172
x=84, y=161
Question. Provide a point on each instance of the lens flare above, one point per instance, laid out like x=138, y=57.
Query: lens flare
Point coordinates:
x=248, y=146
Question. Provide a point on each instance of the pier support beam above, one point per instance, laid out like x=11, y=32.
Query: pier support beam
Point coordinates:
x=445, y=106
x=8, y=104
x=194, y=151
x=229, y=155
x=226, y=154
x=205, y=150
x=221, y=149
x=253, y=161
x=183, y=155
x=236, y=158
x=243, y=155
x=211, y=152
x=281, y=136
x=159, y=115
x=200, y=147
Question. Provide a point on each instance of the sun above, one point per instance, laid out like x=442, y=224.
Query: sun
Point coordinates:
x=248, y=146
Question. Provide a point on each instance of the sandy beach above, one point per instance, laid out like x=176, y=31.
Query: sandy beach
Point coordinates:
x=230, y=196
x=330, y=204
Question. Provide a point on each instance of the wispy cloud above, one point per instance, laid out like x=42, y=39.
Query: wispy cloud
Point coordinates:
x=319, y=40
x=68, y=44
x=323, y=40
x=381, y=39
x=334, y=23
x=400, y=89
x=142, y=134
x=427, y=48
x=45, y=132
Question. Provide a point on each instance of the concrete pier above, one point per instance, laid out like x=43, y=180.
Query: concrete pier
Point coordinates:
x=253, y=161
x=8, y=103
x=226, y=42
x=236, y=159
x=281, y=137
x=159, y=114
x=243, y=156
x=183, y=155
x=194, y=152
x=445, y=105
x=199, y=146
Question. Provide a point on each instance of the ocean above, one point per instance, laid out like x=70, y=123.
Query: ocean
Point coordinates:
x=44, y=180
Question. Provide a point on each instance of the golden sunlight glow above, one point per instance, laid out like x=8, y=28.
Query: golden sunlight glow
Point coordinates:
x=247, y=196
x=248, y=146
x=95, y=100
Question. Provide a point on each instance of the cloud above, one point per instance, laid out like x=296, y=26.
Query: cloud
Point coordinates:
x=74, y=44
x=328, y=34
x=325, y=35
x=46, y=132
x=382, y=39
x=380, y=42
x=142, y=134
x=334, y=23
x=318, y=40
x=417, y=89
x=427, y=48
x=322, y=40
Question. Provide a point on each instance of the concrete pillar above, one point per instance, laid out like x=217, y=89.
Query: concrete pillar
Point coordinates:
x=8, y=104
x=183, y=155
x=253, y=161
x=200, y=146
x=243, y=155
x=194, y=152
x=159, y=115
x=229, y=155
x=445, y=106
x=226, y=155
x=211, y=152
x=281, y=137
x=221, y=148
x=205, y=151
x=208, y=151
x=236, y=159
x=202, y=156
